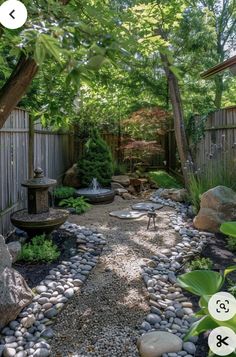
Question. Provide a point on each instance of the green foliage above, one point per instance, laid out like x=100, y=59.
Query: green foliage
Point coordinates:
x=229, y=228
x=96, y=162
x=163, y=179
x=79, y=204
x=231, y=244
x=39, y=249
x=63, y=192
x=205, y=283
x=200, y=264
x=231, y=287
x=215, y=174
x=119, y=168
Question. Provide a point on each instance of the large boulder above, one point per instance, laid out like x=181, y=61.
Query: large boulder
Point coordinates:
x=14, y=295
x=154, y=344
x=71, y=177
x=14, y=249
x=5, y=256
x=178, y=195
x=217, y=206
x=123, y=180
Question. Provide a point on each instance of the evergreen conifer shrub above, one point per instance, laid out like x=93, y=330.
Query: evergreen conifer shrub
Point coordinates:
x=96, y=162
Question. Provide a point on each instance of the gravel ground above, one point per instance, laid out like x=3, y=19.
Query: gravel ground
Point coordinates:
x=103, y=319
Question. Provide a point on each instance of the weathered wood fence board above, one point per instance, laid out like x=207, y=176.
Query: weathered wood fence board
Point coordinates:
x=217, y=149
x=52, y=151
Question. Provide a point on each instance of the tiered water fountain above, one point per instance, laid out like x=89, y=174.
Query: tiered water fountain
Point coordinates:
x=39, y=218
x=96, y=194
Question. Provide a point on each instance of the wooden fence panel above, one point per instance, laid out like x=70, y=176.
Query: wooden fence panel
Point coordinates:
x=217, y=149
x=13, y=166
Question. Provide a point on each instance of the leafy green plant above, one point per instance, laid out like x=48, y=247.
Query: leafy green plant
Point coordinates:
x=229, y=228
x=63, y=192
x=163, y=179
x=214, y=175
x=200, y=264
x=79, y=204
x=96, y=161
x=119, y=168
x=231, y=287
x=205, y=283
x=231, y=244
x=39, y=249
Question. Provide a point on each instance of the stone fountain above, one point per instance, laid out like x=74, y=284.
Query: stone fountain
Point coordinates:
x=39, y=218
x=96, y=194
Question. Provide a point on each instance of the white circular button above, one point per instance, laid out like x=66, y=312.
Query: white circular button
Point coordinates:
x=222, y=341
x=222, y=306
x=13, y=14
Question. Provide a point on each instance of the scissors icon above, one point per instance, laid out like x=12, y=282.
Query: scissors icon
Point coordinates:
x=221, y=341
x=222, y=306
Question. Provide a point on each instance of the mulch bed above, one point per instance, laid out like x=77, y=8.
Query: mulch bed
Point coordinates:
x=35, y=273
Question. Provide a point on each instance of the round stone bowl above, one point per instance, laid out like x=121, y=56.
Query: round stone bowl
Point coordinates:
x=100, y=196
x=37, y=224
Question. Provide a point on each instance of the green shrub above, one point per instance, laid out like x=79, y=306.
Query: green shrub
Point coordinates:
x=229, y=228
x=200, y=264
x=163, y=179
x=39, y=249
x=119, y=168
x=63, y=192
x=96, y=162
x=231, y=244
x=79, y=204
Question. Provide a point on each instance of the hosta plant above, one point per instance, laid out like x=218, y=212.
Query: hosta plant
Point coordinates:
x=80, y=204
x=205, y=283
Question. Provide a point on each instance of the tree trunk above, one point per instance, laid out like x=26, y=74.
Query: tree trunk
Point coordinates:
x=219, y=91
x=16, y=86
x=180, y=134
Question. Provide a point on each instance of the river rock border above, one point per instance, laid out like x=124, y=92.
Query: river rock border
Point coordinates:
x=28, y=335
x=171, y=310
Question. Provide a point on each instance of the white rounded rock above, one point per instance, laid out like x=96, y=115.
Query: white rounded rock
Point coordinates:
x=155, y=343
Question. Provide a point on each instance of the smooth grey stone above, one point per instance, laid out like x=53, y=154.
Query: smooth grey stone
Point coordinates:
x=69, y=293
x=189, y=347
x=41, y=352
x=9, y=352
x=1, y=349
x=21, y=354
x=14, y=324
x=41, y=289
x=146, y=326
x=47, y=333
x=51, y=313
x=153, y=319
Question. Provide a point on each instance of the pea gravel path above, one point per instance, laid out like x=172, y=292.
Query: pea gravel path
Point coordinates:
x=103, y=318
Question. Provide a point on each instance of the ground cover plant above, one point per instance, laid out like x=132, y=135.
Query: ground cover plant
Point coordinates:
x=164, y=180
x=63, y=192
x=79, y=204
x=200, y=264
x=40, y=249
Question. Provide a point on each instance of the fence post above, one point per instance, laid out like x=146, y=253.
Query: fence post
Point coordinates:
x=31, y=148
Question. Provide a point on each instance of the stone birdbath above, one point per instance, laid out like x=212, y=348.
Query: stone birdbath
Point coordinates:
x=38, y=218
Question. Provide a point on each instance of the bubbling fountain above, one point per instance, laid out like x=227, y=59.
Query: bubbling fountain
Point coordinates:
x=38, y=218
x=96, y=194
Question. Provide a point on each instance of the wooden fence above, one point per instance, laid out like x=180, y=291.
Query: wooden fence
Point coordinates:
x=216, y=151
x=23, y=146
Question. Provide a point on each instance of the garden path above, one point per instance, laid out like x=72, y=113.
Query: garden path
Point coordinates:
x=103, y=319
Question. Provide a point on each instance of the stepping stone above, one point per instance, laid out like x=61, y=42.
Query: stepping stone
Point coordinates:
x=125, y=214
x=146, y=206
